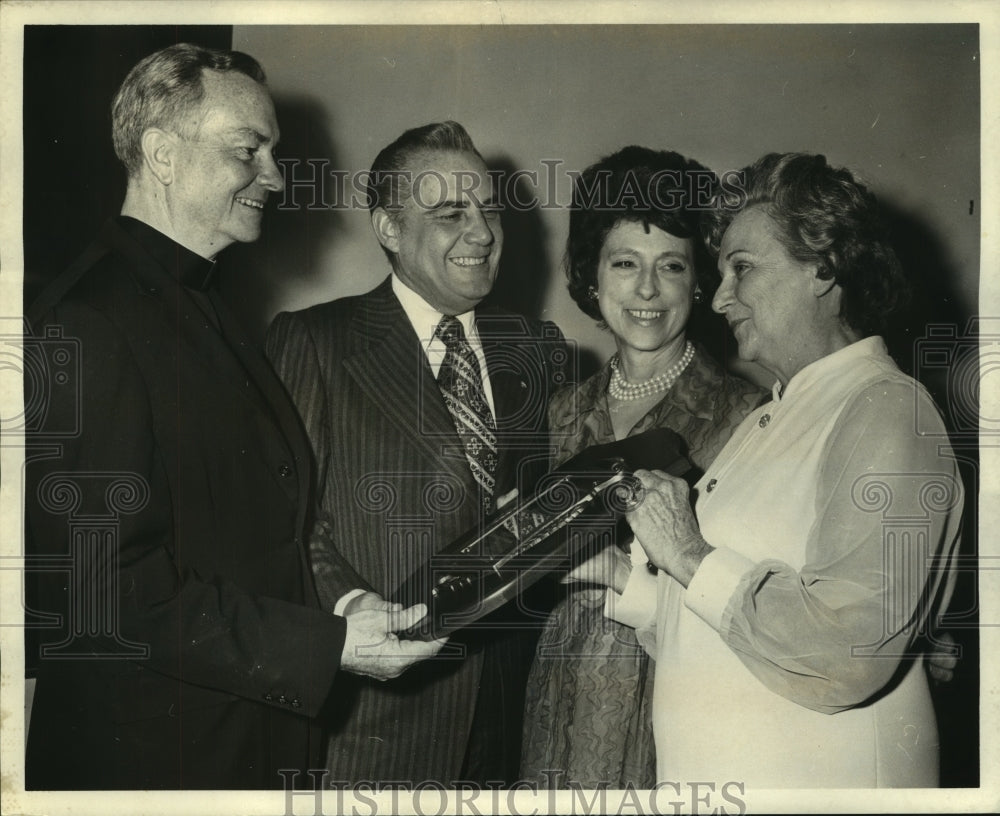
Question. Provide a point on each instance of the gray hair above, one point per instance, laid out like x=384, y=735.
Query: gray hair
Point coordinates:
x=162, y=88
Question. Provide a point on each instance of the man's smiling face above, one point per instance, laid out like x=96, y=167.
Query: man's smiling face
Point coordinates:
x=225, y=169
x=447, y=236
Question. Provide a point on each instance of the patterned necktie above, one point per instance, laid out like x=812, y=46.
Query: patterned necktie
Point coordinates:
x=461, y=382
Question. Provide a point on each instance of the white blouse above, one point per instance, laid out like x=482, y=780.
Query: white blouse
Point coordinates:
x=834, y=511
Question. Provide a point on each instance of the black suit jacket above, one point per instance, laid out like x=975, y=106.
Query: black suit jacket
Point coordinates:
x=167, y=490
x=395, y=486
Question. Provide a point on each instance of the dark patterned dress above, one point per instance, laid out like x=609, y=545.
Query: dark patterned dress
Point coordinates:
x=589, y=697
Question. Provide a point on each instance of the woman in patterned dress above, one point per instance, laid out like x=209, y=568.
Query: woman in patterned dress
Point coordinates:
x=635, y=262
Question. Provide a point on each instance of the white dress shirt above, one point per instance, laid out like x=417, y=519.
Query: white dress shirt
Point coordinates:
x=425, y=318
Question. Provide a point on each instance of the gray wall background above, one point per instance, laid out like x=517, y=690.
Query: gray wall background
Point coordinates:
x=898, y=104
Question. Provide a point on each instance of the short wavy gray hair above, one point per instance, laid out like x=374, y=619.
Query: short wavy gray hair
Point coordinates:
x=828, y=218
x=162, y=88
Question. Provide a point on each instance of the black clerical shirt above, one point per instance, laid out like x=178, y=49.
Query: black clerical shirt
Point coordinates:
x=195, y=273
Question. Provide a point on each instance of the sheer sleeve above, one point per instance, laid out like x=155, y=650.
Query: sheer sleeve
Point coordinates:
x=888, y=505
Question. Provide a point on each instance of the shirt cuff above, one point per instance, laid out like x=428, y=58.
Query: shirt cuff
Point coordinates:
x=636, y=606
x=714, y=583
x=339, y=607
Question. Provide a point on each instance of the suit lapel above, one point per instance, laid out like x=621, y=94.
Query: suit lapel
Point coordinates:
x=509, y=391
x=391, y=368
x=506, y=381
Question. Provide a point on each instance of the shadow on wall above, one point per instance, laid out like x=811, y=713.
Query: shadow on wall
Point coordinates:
x=260, y=279
x=934, y=341
x=524, y=275
x=935, y=304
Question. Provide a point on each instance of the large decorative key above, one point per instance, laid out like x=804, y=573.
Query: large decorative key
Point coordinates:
x=548, y=529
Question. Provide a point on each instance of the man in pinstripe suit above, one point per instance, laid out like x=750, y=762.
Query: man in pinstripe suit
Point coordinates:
x=405, y=467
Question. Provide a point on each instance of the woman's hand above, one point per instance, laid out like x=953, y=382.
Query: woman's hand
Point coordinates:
x=666, y=526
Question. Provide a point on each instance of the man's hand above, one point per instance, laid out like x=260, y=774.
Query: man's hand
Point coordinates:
x=371, y=648
x=941, y=657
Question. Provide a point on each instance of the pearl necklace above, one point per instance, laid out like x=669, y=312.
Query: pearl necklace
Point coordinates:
x=622, y=389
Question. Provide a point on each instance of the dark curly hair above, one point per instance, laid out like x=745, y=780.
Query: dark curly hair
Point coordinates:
x=824, y=217
x=651, y=187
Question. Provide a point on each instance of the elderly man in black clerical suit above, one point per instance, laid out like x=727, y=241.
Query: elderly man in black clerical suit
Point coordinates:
x=424, y=409
x=169, y=489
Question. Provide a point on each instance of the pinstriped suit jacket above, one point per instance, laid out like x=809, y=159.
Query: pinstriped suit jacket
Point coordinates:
x=395, y=486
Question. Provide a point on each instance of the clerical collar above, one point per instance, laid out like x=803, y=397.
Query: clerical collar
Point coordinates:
x=192, y=270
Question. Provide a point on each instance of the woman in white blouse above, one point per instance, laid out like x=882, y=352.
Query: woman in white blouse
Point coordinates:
x=823, y=535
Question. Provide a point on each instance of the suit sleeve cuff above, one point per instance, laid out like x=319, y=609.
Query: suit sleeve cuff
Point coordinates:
x=341, y=605
x=636, y=605
x=714, y=583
